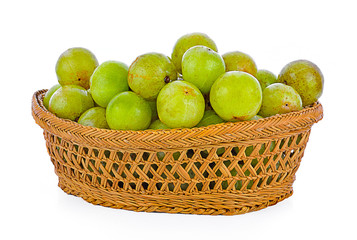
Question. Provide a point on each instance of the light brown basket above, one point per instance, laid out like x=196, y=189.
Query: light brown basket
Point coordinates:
x=229, y=168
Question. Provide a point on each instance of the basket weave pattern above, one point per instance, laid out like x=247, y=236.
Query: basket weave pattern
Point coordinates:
x=229, y=168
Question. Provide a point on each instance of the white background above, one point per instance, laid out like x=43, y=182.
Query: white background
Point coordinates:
x=35, y=33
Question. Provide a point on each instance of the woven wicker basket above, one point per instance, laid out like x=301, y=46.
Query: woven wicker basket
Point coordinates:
x=229, y=168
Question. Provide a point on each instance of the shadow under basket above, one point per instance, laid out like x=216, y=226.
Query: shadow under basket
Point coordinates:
x=228, y=168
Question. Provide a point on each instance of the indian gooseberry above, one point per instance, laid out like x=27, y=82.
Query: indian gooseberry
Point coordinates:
x=202, y=66
x=180, y=104
x=209, y=118
x=239, y=61
x=186, y=42
x=109, y=79
x=49, y=93
x=94, y=117
x=149, y=73
x=306, y=78
x=266, y=78
x=236, y=96
x=128, y=111
x=157, y=124
x=279, y=98
x=70, y=101
x=75, y=67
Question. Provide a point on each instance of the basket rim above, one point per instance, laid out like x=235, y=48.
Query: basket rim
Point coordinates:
x=173, y=138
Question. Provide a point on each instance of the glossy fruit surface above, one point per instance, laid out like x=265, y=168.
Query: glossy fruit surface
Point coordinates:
x=209, y=118
x=70, y=101
x=75, y=67
x=238, y=61
x=180, y=104
x=186, y=42
x=128, y=111
x=306, y=78
x=236, y=96
x=94, y=117
x=49, y=93
x=149, y=73
x=266, y=78
x=109, y=79
x=202, y=66
x=279, y=98
x=157, y=124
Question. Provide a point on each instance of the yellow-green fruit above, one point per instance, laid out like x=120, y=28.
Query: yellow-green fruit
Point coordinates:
x=202, y=66
x=49, y=93
x=306, y=78
x=70, y=101
x=279, y=98
x=157, y=124
x=209, y=118
x=109, y=79
x=75, y=67
x=236, y=96
x=266, y=78
x=94, y=117
x=186, y=42
x=128, y=111
x=238, y=61
x=149, y=73
x=180, y=104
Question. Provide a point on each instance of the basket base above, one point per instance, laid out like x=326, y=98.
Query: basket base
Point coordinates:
x=201, y=204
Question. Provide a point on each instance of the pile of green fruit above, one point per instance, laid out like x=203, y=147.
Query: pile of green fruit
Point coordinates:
x=195, y=87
